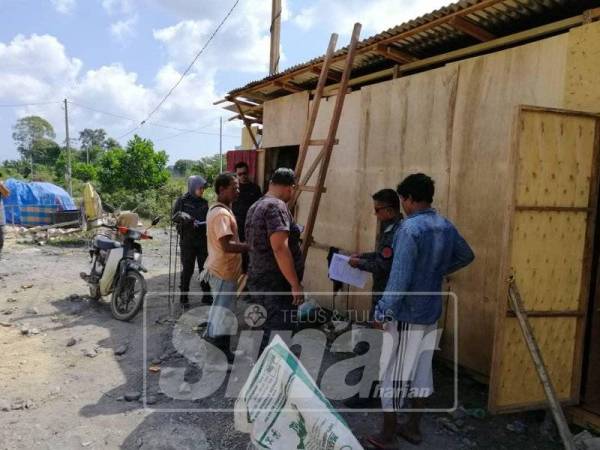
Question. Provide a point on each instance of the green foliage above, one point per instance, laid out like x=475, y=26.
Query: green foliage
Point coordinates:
x=84, y=172
x=137, y=168
x=89, y=138
x=94, y=143
x=33, y=137
x=208, y=166
x=183, y=167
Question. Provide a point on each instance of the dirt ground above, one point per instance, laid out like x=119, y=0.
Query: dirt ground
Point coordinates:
x=62, y=385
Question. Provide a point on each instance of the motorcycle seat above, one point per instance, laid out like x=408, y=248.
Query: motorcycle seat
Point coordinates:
x=104, y=243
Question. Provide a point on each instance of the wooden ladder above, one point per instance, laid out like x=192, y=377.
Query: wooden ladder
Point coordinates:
x=322, y=160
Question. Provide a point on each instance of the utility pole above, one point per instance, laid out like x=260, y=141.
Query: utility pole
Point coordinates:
x=221, y=144
x=275, y=36
x=68, y=148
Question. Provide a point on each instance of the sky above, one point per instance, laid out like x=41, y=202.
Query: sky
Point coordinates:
x=114, y=60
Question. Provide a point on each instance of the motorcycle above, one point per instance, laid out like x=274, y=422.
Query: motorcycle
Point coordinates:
x=117, y=267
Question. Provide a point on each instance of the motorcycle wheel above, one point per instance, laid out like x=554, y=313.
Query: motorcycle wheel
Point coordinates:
x=128, y=298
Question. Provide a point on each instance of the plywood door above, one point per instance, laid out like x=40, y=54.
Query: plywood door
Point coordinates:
x=549, y=255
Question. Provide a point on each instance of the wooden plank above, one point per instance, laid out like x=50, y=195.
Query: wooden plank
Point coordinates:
x=394, y=54
x=332, y=75
x=468, y=27
x=489, y=89
x=310, y=188
x=538, y=360
x=275, y=30
x=566, y=313
x=331, y=136
x=247, y=124
x=284, y=120
x=321, y=142
x=286, y=85
x=584, y=418
x=552, y=208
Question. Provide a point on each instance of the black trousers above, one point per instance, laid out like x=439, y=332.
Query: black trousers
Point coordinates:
x=1, y=236
x=190, y=256
x=281, y=313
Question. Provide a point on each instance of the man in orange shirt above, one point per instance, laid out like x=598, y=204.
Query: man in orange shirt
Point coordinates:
x=224, y=262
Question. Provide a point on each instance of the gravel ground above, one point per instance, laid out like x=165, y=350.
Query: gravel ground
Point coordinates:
x=72, y=377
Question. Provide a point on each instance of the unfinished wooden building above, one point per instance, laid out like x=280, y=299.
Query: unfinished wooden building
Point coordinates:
x=499, y=101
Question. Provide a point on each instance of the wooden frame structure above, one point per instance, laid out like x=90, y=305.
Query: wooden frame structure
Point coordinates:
x=415, y=107
x=551, y=197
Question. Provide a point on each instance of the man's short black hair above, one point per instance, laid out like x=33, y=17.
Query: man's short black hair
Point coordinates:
x=283, y=177
x=241, y=165
x=388, y=197
x=417, y=186
x=223, y=181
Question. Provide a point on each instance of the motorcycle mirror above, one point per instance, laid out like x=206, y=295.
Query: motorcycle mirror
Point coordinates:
x=156, y=220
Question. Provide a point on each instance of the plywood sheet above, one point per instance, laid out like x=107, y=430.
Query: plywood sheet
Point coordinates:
x=284, y=120
x=519, y=385
x=489, y=89
x=547, y=251
x=555, y=169
x=406, y=128
x=550, y=242
x=582, y=86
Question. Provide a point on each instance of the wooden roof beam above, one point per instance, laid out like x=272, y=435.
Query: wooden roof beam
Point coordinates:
x=394, y=54
x=332, y=75
x=468, y=27
x=248, y=103
x=288, y=86
x=248, y=119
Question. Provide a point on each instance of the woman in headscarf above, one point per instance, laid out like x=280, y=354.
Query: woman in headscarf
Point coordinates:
x=189, y=213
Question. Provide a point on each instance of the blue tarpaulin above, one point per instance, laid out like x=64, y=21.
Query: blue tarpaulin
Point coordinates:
x=33, y=203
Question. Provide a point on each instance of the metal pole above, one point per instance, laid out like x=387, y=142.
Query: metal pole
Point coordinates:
x=68, y=148
x=275, y=36
x=221, y=144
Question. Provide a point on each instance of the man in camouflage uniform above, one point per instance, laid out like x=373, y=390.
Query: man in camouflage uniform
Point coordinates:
x=379, y=263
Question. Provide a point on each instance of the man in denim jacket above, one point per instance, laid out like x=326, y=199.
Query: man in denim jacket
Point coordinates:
x=427, y=247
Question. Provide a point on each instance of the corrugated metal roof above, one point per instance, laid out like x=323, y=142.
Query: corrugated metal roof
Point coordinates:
x=428, y=36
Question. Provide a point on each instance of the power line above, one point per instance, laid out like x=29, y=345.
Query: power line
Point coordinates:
x=118, y=116
x=20, y=105
x=189, y=67
x=154, y=124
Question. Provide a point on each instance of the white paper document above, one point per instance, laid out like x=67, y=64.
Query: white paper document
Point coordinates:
x=340, y=270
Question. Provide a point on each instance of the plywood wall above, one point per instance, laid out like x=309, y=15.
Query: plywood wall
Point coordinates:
x=582, y=83
x=406, y=127
x=489, y=89
x=284, y=120
x=336, y=224
x=456, y=124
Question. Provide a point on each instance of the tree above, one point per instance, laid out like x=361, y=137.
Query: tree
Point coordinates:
x=183, y=167
x=93, y=143
x=34, y=137
x=89, y=138
x=209, y=167
x=45, y=151
x=136, y=168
